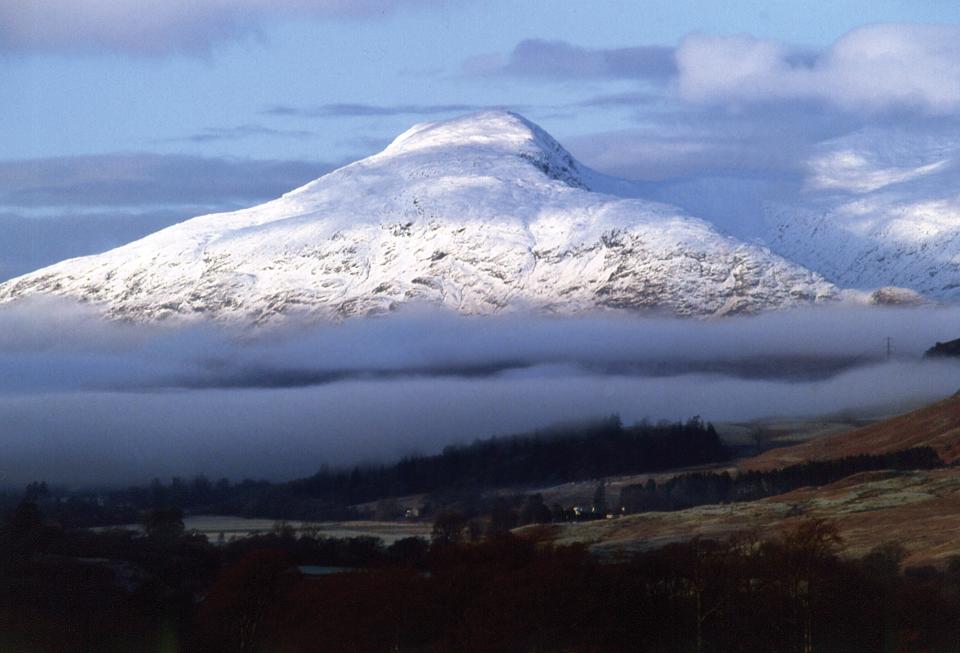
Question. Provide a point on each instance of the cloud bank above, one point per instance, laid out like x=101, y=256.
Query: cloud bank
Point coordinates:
x=872, y=68
x=875, y=68
x=82, y=401
x=753, y=108
x=158, y=27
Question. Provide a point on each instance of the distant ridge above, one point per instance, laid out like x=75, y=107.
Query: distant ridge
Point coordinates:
x=948, y=349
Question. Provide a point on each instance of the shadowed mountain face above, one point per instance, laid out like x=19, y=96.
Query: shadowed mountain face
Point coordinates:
x=482, y=214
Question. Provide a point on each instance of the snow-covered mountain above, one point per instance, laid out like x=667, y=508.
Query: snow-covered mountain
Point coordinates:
x=883, y=209
x=482, y=214
x=876, y=207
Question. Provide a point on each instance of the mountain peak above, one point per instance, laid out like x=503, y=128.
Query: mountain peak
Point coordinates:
x=494, y=132
x=492, y=129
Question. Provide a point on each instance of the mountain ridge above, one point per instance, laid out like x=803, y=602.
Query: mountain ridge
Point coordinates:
x=872, y=208
x=481, y=214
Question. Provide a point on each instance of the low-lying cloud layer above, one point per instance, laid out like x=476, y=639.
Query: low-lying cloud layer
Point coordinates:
x=82, y=401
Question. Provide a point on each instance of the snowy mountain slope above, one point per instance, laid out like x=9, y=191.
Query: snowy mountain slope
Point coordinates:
x=480, y=214
x=878, y=207
x=876, y=241
x=883, y=208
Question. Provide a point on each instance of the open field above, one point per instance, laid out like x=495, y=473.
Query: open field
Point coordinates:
x=920, y=510
x=238, y=527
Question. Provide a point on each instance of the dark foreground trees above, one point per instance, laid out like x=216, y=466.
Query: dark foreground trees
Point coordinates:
x=792, y=592
x=586, y=451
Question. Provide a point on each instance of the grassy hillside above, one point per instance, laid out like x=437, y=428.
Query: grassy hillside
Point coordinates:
x=936, y=426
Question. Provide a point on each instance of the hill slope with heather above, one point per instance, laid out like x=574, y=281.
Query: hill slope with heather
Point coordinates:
x=936, y=426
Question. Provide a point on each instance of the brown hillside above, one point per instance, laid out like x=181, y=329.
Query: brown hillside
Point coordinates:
x=919, y=510
x=936, y=425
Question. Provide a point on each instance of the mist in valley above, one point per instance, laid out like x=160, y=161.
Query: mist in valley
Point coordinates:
x=88, y=402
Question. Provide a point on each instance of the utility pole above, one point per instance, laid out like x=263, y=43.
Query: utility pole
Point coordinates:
x=889, y=348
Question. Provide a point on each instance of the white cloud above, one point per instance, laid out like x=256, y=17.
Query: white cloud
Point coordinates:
x=850, y=170
x=154, y=27
x=872, y=68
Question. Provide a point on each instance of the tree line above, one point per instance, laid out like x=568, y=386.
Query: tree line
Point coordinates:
x=588, y=451
x=704, y=488
x=458, y=475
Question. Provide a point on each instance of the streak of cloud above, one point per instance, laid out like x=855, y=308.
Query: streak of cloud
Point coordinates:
x=143, y=179
x=216, y=134
x=559, y=60
x=360, y=110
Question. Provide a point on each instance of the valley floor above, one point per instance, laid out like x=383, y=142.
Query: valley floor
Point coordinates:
x=919, y=510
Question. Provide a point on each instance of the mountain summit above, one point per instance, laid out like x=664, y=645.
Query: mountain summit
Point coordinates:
x=481, y=214
x=493, y=134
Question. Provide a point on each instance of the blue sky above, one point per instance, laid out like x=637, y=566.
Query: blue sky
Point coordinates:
x=78, y=98
x=123, y=116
